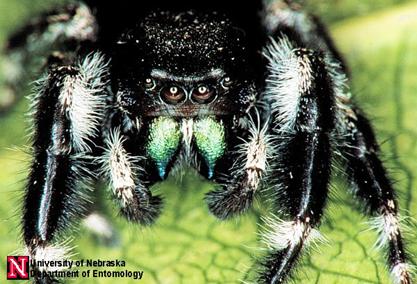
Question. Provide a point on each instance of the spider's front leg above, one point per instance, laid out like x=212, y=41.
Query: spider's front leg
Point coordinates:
x=68, y=110
x=240, y=170
x=130, y=175
x=299, y=90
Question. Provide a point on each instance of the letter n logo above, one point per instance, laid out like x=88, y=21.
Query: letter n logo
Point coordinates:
x=17, y=267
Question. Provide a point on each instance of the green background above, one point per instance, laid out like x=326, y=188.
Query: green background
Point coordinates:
x=379, y=40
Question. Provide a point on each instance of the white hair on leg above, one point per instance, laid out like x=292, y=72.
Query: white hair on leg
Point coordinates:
x=279, y=234
x=289, y=77
x=400, y=272
x=83, y=98
x=279, y=14
x=387, y=227
x=119, y=167
x=342, y=95
x=56, y=252
x=255, y=152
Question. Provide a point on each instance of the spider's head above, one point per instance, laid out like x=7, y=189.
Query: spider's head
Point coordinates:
x=183, y=65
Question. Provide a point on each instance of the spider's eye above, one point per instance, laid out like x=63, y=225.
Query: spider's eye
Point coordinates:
x=226, y=82
x=203, y=94
x=173, y=95
x=149, y=84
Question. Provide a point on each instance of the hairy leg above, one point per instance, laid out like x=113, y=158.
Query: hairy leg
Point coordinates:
x=299, y=90
x=282, y=17
x=64, y=30
x=373, y=187
x=240, y=171
x=67, y=111
x=129, y=180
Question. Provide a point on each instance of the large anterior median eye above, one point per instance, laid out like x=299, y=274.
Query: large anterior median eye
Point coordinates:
x=203, y=94
x=173, y=95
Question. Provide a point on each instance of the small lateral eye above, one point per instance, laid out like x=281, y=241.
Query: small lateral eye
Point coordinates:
x=203, y=94
x=149, y=84
x=226, y=82
x=172, y=95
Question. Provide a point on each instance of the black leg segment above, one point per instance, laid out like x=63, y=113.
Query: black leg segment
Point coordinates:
x=373, y=187
x=301, y=95
x=68, y=107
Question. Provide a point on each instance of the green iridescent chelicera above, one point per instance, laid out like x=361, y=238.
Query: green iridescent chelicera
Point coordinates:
x=210, y=140
x=164, y=139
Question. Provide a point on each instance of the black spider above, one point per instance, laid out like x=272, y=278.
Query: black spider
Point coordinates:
x=248, y=96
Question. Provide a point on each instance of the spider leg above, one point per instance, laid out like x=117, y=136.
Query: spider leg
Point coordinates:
x=287, y=18
x=65, y=29
x=67, y=111
x=240, y=171
x=373, y=187
x=300, y=93
x=129, y=181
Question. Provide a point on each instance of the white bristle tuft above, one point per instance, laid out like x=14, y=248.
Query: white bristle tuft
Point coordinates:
x=255, y=152
x=119, y=167
x=401, y=272
x=289, y=77
x=343, y=97
x=388, y=227
x=84, y=99
x=56, y=252
x=280, y=234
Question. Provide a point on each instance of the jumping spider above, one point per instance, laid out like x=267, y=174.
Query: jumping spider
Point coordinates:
x=248, y=97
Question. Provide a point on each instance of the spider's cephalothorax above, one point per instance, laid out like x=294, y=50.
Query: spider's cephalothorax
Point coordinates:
x=184, y=65
x=185, y=78
x=248, y=99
